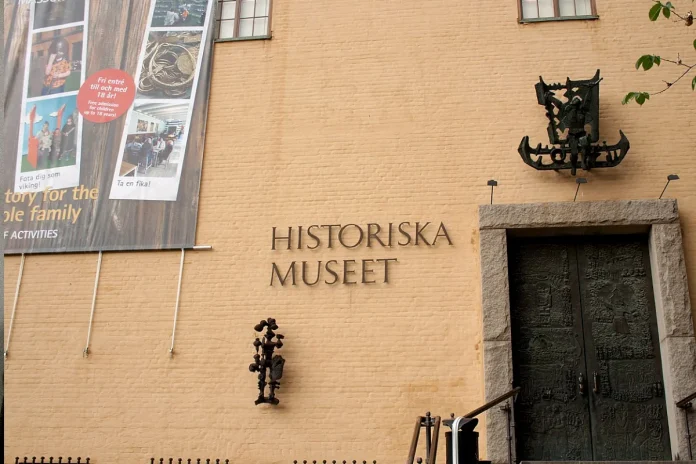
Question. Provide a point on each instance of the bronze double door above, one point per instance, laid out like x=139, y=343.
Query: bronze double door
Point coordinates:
x=585, y=350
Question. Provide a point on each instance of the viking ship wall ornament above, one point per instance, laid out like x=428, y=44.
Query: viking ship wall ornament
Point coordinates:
x=266, y=360
x=573, y=112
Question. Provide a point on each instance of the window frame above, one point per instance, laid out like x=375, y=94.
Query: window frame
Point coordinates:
x=237, y=12
x=556, y=13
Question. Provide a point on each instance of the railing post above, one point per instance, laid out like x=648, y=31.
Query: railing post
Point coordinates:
x=508, y=413
x=686, y=404
x=688, y=432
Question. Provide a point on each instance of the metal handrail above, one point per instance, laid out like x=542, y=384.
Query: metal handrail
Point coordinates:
x=685, y=405
x=434, y=422
x=493, y=402
x=686, y=402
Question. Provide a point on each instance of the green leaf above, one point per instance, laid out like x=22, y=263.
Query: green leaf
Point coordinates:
x=694, y=43
x=639, y=97
x=639, y=63
x=667, y=9
x=630, y=96
x=647, y=61
x=655, y=11
x=693, y=84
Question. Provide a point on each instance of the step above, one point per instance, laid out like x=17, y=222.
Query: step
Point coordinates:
x=604, y=462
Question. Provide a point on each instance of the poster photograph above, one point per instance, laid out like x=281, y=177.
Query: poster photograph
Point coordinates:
x=51, y=135
x=158, y=152
x=179, y=13
x=170, y=64
x=55, y=64
x=48, y=143
x=101, y=152
x=57, y=13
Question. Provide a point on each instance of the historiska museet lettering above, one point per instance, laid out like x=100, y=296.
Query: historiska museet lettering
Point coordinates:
x=348, y=236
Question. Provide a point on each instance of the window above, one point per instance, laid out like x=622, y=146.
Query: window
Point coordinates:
x=556, y=9
x=238, y=19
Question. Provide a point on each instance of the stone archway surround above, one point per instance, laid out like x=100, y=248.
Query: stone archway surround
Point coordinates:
x=675, y=326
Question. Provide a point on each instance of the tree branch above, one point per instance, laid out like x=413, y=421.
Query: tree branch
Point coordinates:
x=688, y=19
x=670, y=84
x=678, y=63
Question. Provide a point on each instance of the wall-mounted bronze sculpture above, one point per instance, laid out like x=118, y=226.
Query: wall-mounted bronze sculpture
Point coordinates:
x=266, y=360
x=573, y=112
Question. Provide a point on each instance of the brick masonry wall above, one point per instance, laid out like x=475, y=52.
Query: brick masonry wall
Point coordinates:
x=354, y=112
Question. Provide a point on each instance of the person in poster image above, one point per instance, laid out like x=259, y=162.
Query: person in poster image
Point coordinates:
x=164, y=154
x=45, y=141
x=55, y=149
x=172, y=17
x=183, y=15
x=157, y=148
x=68, y=138
x=58, y=68
x=146, y=152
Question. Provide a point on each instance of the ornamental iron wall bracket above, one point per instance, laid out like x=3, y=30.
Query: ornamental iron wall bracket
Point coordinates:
x=266, y=360
x=573, y=129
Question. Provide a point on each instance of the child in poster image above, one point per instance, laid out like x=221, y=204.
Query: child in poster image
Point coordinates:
x=45, y=143
x=58, y=68
x=68, y=139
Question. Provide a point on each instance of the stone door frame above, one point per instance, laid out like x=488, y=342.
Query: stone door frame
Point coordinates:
x=659, y=218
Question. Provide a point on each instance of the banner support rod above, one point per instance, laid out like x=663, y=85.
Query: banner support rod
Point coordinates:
x=14, y=305
x=85, y=352
x=202, y=247
x=176, y=305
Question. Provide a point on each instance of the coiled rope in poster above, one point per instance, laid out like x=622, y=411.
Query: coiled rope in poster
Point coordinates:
x=168, y=68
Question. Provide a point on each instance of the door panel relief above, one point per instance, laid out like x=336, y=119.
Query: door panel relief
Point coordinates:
x=628, y=409
x=585, y=350
x=552, y=414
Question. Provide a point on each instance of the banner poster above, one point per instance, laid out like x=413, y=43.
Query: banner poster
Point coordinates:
x=105, y=111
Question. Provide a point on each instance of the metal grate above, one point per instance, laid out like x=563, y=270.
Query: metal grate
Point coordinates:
x=188, y=461
x=51, y=460
x=332, y=462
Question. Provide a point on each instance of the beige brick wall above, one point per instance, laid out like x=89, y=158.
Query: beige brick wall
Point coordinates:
x=355, y=112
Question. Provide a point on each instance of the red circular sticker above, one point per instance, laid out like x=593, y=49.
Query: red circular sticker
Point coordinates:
x=106, y=95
